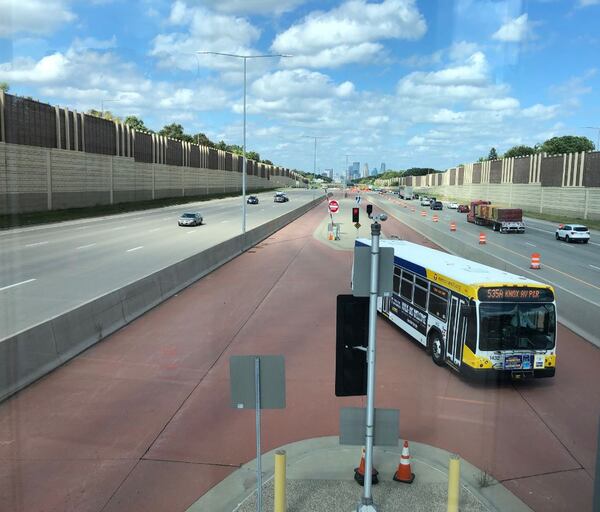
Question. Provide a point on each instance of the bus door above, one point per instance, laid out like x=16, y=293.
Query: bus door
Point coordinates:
x=385, y=304
x=457, y=329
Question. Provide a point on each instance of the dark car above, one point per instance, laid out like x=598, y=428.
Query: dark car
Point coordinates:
x=252, y=200
x=190, y=219
x=436, y=205
x=462, y=208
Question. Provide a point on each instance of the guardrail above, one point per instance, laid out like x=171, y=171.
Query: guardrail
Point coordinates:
x=574, y=312
x=34, y=352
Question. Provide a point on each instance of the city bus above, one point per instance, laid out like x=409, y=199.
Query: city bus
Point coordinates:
x=478, y=320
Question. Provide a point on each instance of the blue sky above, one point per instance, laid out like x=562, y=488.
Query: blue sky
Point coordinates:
x=405, y=82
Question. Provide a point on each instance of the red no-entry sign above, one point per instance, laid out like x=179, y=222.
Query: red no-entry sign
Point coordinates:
x=334, y=206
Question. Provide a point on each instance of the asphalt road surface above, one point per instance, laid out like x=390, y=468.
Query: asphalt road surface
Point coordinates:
x=571, y=266
x=49, y=269
x=143, y=422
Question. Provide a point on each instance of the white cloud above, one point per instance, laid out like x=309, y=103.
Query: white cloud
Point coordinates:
x=348, y=33
x=496, y=103
x=265, y=7
x=515, y=30
x=539, y=111
x=376, y=120
x=204, y=31
x=587, y=3
x=33, y=16
x=417, y=140
x=91, y=43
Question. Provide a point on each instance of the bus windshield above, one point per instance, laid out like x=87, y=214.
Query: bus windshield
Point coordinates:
x=506, y=326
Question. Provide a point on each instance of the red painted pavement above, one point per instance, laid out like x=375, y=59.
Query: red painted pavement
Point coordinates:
x=141, y=421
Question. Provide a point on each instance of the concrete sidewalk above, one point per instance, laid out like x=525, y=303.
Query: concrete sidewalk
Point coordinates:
x=320, y=477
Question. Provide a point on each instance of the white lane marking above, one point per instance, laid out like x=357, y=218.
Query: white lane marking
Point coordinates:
x=532, y=245
x=135, y=248
x=191, y=232
x=153, y=230
x=36, y=244
x=119, y=228
x=594, y=266
x=85, y=246
x=224, y=221
x=16, y=284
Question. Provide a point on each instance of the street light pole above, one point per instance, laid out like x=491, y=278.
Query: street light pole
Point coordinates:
x=244, y=159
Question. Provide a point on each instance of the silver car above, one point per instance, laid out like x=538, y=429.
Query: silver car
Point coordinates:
x=190, y=219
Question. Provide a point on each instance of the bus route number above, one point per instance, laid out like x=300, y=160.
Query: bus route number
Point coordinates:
x=519, y=294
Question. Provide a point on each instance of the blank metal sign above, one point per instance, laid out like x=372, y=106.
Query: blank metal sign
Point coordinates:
x=353, y=425
x=361, y=271
x=272, y=382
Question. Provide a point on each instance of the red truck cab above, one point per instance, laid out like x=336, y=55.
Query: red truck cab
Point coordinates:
x=471, y=213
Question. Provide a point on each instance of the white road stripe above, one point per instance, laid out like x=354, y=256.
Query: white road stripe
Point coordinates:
x=224, y=221
x=36, y=244
x=86, y=246
x=532, y=245
x=16, y=284
x=594, y=266
x=119, y=228
x=153, y=230
x=135, y=248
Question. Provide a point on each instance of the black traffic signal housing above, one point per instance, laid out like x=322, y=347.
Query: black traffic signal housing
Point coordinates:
x=355, y=214
x=369, y=210
x=352, y=340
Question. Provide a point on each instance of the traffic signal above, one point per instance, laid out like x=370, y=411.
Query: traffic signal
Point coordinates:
x=355, y=214
x=369, y=210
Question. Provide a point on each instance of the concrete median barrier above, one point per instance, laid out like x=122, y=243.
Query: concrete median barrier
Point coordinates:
x=32, y=353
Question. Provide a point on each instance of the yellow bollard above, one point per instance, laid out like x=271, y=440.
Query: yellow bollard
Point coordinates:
x=280, y=505
x=453, y=483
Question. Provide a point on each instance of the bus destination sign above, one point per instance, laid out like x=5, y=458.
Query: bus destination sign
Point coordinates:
x=515, y=294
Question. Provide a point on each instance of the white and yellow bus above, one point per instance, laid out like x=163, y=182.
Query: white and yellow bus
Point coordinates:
x=476, y=319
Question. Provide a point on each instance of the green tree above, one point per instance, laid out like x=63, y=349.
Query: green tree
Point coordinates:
x=519, y=151
x=4, y=86
x=253, y=155
x=175, y=131
x=107, y=114
x=493, y=155
x=203, y=140
x=267, y=162
x=136, y=123
x=567, y=144
x=222, y=145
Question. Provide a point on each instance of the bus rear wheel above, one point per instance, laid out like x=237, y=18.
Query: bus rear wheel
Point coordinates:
x=437, y=348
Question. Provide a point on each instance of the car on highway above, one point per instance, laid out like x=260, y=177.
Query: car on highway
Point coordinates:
x=190, y=219
x=280, y=197
x=436, y=205
x=453, y=206
x=252, y=200
x=425, y=201
x=573, y=233
x=463, y=208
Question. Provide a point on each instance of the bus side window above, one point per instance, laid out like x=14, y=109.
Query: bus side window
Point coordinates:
x=438, y=305
x=397, y=271
x=406, y=288
x=420, y=296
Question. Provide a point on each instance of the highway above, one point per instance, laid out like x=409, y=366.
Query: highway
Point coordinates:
x=49, y=269
x=572, y=267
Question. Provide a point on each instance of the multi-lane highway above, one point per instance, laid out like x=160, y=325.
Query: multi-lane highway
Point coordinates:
x=47, y=270
x=567, y=266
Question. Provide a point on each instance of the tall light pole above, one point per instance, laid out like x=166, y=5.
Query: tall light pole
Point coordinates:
x=315, y=154
x=102, y=102
x=245, y=58
x=598, y=140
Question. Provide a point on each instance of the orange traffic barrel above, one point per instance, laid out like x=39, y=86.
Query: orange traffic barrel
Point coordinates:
x=423, y=214
x=535, y=261
x=435, y=218
x=412, y=208
x=453, y=226
x=481, y=238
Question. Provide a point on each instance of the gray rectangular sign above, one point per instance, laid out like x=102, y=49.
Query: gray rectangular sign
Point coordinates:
x=272, y=382
x=352, y=426
x=361, y=271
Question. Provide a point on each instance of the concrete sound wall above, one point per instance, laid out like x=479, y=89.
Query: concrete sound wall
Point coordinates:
x=36, y=179
x=31, y=354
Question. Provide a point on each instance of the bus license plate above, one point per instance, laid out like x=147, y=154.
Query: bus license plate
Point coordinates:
x=513, y=362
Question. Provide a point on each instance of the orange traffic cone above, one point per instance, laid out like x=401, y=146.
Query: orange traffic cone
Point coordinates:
x=330, y=236
x=423, y=214
x=453, y=226
x=403, y=473
x=359, y=472
x=481, y=238
x=435, y=218
x=535, y=261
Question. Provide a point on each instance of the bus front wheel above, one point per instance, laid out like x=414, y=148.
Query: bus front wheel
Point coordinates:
x=437, y=348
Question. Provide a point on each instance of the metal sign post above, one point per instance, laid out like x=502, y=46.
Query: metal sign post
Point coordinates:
x=367, y=504
x=259, y=382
